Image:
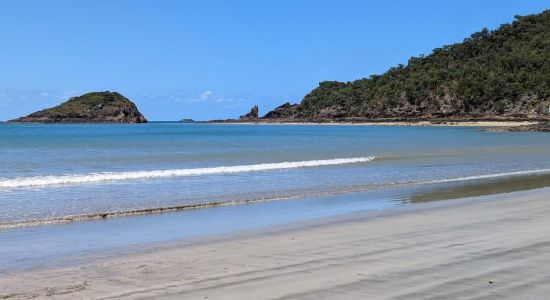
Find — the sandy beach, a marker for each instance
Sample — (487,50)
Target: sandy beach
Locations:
(490,247)
(275,150)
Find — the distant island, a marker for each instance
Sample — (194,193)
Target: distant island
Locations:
(187,121)
(502,74)
(96,107)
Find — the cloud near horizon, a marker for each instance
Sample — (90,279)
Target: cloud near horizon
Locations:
(156,106)
(206,95)
(15,103)
(198,105)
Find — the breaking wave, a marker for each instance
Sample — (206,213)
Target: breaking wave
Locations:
(344,190)
(38,181)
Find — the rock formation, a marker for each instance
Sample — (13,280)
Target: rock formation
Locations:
(252,115)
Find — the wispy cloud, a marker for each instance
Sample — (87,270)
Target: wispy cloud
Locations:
(206,95)
(18,102)
(170,105)
(204,104)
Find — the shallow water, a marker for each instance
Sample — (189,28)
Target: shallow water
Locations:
(80,242)
(48,172)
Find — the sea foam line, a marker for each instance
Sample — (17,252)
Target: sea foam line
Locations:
(491,176)
(37,181)
(182,207)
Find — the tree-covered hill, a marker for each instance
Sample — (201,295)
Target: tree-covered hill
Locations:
(491,74)
(95,107)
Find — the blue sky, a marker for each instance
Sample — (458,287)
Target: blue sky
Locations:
(215,59)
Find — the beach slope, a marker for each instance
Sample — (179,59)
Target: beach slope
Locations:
(491,247)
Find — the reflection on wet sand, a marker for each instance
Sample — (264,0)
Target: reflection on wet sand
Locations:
(486,187)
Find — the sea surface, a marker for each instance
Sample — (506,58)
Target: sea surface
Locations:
(55,180)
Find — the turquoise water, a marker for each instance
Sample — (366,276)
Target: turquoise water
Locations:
(54,171)
(51,172)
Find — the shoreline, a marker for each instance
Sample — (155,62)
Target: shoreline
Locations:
(389,123)
(470,247)
(106,215)
(434,123)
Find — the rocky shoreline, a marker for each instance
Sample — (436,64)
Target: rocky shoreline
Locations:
(537,127)
(492,124)
(499,123)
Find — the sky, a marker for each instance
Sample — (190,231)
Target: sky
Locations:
(209,59)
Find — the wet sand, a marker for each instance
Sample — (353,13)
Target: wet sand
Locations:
(489,247)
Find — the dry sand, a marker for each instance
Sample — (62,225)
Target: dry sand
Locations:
(491,247)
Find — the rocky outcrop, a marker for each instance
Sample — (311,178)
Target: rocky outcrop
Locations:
(252,115)
(284,111)
(96,107)
(539,127)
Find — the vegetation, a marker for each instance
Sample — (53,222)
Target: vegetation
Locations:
(108,107)
(504,72)
(109,102)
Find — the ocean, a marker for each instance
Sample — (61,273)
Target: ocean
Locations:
(67,185)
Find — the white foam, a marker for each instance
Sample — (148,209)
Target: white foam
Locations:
(491,176)
(37,181)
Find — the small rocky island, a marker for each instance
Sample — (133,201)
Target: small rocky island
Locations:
(187,120)
(95,107)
